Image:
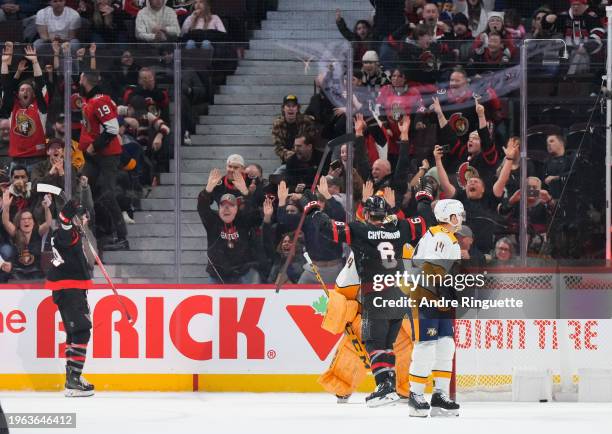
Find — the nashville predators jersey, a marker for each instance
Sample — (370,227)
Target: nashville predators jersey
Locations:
(437,247)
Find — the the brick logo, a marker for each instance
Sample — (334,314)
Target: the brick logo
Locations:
(309,320)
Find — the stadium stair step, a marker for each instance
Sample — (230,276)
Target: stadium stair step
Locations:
(284,57)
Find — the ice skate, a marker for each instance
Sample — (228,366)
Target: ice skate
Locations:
(77,385)
(419,407)
(443,406)
(383,395)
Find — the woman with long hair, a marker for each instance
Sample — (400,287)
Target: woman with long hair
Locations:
(201,26)
(27,236)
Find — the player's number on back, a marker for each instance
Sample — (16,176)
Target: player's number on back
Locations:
(440,246)
(387,255)
(104,110)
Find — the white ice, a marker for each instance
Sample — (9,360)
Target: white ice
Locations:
(289,413)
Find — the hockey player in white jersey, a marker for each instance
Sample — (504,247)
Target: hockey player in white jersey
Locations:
(432,327)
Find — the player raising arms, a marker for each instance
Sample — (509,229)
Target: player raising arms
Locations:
(432,329)
(69,278)
(377,245)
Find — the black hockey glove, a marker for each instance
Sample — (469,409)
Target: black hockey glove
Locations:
(309,202)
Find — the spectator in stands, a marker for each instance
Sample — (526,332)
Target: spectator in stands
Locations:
(302,165)
(51,171)
(540,206)
(57,22)
(513,25)
(7,251)
(503,254)
(482,154)
(361,38)
(539,29)
(20,190)
(230,258)
(508,173)
(255,183)
(388,17)
(399,99)
(28,110)
(325,254)
(157,100)
(431,18)
(59,133)
(102,146)
(470,255)
(107,21)
(288,126)
(380,174)
(335,186)
(480,205)
(277,253)
(458,39)
(476,11)
(5,134)
(582,30)
(495,24)
(123,74)
(27,237)
(157,22)
(461,113)
(492,58)
(202,26)
(558,166)
(16,10)
(423,57)
(373,75)
(234,180)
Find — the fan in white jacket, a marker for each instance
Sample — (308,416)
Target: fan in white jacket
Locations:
(157,22)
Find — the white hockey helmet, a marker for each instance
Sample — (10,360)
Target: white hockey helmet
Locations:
(445,208)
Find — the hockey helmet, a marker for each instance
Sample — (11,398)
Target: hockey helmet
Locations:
(376,206)
(445,208)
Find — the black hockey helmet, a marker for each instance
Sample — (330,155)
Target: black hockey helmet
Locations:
(376,206)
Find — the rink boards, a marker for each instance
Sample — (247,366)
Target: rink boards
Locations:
(201,337)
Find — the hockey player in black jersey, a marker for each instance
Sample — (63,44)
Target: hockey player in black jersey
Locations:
(69,278)
(377,245)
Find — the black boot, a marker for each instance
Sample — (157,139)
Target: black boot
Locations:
(76,384)
(442,405)
(419,407)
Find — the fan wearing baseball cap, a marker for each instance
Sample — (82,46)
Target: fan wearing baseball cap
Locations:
(234,180)
(229,253)
(287,127)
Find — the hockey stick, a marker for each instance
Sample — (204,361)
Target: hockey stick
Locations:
(57,191)
(282,275)
(348,328)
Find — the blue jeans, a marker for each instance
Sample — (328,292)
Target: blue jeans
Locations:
(205,44)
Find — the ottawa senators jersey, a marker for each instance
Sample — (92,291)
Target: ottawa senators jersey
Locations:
(378,250)
(100,116)
(69,266)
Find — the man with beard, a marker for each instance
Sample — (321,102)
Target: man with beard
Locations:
(480,205)
(20,190)
(287,127)
(302,165)
(27,106)
(101,144)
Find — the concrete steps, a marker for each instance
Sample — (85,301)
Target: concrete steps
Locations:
(294,45)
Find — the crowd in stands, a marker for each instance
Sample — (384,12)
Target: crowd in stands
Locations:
(424,133)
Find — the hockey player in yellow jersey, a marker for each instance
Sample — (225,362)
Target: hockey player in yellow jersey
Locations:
(432,327)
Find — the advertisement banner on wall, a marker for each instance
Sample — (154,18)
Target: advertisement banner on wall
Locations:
(205,330)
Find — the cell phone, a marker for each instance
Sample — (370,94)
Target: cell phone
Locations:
(533,192)
(276,178)
(445,148)
(336,164)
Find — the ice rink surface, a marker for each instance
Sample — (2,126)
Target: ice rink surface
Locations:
(286,413)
